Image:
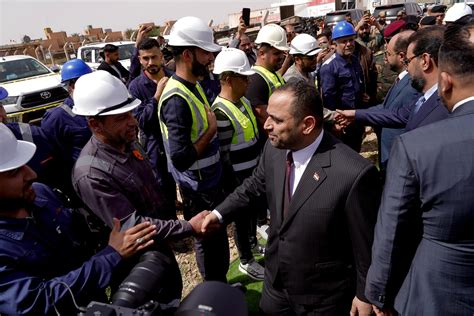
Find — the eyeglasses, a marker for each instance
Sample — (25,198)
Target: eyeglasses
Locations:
(407,61)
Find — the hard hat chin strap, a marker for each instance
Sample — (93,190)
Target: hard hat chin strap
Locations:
(115,107)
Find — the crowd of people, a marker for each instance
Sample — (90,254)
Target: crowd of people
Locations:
(266,135)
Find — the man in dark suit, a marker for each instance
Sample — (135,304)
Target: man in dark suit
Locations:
(323,207)
(421,62)
(423,253)
(401,93)
(111,63)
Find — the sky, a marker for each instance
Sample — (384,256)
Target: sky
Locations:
(30,17)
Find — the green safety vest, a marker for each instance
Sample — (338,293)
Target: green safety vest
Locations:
(198,112)
(245,128)
(273,79)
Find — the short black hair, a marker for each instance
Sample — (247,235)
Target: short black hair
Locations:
(306,100)
(110,48)
(148,43)
(177,51)
(428,40)
(456,54)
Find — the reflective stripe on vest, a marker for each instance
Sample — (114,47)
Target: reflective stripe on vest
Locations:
(26,133)
(245,133)
(198,112)
(67,109)
(273,79)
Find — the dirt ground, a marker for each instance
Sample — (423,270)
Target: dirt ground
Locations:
(187,261)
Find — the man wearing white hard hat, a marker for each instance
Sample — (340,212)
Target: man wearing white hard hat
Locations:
(188,126)
(114,177)
(457,12)
(43,261)
(304,49)
(272,45)
(238,134)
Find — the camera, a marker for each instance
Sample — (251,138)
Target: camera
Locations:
(101,309)
(142,281)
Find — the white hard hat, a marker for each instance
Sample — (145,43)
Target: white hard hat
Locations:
(273,35)
(232,59)
(191,31)
(304,44)
(457,11)
(100,93)
(14,153)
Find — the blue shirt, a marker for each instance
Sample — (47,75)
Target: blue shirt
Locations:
(68,133)
(38,256)
(43,158)
(341,83)
(143,88)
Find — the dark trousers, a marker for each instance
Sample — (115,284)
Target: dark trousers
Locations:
(278,302)
(245,234)
(212,252)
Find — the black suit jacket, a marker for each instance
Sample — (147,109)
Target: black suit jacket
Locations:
(123,72)
(322,249)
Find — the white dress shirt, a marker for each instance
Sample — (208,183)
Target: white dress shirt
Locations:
(461,103)
(301,159)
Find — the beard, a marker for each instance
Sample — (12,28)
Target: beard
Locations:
(153,69)
(418,83)
(198,69)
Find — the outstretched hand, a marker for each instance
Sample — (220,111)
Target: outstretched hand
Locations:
(210,224)
(132,240)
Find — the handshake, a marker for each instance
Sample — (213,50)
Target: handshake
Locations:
(343,118)
(204,223)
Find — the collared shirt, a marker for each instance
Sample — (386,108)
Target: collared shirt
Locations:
(341,83)
(116,184)
(402,75)
(144,89)
(301,159)
(461,103)
(430,91)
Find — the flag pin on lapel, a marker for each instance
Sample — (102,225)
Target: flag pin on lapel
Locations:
(316,176)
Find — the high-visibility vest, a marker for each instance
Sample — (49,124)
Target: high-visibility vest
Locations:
(245,131)
(273,79)
(198,128)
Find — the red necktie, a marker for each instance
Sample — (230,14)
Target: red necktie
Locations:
(287,197)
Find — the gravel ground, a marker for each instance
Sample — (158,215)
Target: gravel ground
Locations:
(187,261)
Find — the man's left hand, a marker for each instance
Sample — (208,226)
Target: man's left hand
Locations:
(360,308)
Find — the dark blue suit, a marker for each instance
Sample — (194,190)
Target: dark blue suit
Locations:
(423,251)
(431,111)
(400,94)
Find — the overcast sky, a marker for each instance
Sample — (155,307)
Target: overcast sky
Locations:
(30,17)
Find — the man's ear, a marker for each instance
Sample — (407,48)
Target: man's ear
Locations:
(445,83)
(94,124)
(309,124)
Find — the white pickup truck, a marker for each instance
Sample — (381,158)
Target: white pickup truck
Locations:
(90,53)
(32,88)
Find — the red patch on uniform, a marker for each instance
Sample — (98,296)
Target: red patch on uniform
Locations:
(137,154)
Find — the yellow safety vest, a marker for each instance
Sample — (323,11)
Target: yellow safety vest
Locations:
(273,79)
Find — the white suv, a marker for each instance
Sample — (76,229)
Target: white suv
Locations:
(32,88)
(90,53)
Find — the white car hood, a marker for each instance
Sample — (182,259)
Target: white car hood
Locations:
(32,84)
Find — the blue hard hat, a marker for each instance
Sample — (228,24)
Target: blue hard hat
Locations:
(3,93)
(73,69)
(343,29)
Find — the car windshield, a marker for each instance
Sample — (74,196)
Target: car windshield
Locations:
(391,11)
(20,69)
(126,51)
